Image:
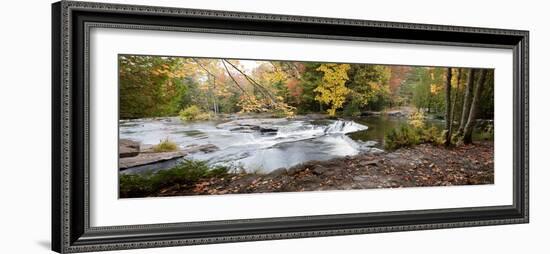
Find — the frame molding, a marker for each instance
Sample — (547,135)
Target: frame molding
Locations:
(71,22)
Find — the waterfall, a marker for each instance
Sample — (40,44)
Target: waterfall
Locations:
(341,126)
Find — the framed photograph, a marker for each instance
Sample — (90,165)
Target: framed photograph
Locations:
(181,126)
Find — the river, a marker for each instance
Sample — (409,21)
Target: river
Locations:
(263,145)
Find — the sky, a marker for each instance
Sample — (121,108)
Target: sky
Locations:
(250,65)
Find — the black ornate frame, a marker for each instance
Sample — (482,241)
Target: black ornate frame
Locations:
(71,22)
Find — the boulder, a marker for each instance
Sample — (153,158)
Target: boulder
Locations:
(207,148)
(268,130)
(369,163)
(128,148)
(277,172)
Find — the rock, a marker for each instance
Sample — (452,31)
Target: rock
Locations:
(207,148)
(369,163)
(371,113)
(396,113)
(400,162)
(320,170)
(268,130)
(277,172)
(127,148)
(360,178)
(253,123)
(242,129)
(295,169)
(148,158)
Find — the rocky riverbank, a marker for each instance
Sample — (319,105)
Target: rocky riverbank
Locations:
(423,165)
(132,154)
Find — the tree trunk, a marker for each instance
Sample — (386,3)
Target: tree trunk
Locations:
(453,107)
(467,100)
(469,128)
(448,115)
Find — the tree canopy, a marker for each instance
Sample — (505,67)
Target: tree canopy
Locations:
(152,86)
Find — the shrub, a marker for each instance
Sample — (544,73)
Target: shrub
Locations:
(417,119)
(352,109)
(165,146)
(187,172)
(431,135)
(407,136)
(194,113)
(403,136)
(486,133)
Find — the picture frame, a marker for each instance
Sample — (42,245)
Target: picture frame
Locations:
(71,197)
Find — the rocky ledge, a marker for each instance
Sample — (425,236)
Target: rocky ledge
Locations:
(423,165)
(132,154)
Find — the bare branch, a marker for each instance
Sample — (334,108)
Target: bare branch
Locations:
(235,81)
(215,80)
(263,90)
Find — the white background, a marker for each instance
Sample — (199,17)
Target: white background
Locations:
(25,126)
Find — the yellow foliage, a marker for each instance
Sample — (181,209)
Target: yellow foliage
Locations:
(434,88)
(417,119)
(333,88)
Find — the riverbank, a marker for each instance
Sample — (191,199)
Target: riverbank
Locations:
(422,165)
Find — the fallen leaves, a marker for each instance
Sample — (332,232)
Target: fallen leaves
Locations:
(426,165)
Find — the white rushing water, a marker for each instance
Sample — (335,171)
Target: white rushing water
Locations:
(252,144)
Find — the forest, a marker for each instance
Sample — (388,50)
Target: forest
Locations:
(427,107)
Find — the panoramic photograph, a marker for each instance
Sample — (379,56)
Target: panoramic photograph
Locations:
(211,126)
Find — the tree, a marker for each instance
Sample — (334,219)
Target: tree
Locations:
(468,129)
(467,100)
(453,107)
(333,90)
(425,84)
(151,86)
(448,115)
(369,88)
(308,82)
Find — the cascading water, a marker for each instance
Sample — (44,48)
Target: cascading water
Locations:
(343,127)
(253,144)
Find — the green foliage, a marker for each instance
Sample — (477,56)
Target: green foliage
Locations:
(426,87)
(408,136)
(352,109)
(194,113)
(487,101)
(150,86)
(486,132)
(165,146)
(417,119)
(432,135)
(153,86)
(186,173)
(369,85)
(403,136)
(309,80)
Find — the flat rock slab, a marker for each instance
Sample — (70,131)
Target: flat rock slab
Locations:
(263,125)
(148,158)
(128,148)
